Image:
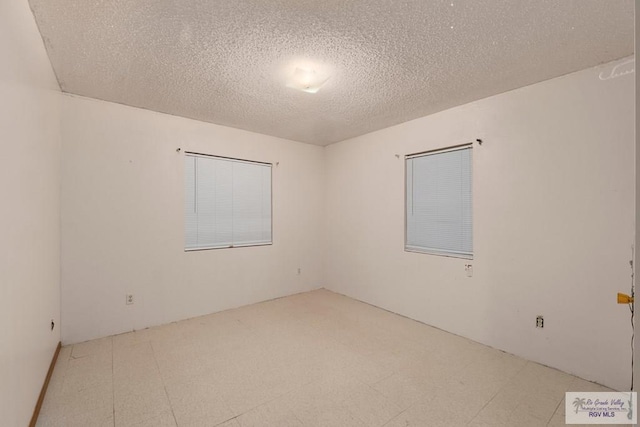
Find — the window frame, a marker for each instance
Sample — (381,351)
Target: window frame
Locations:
(233,159)
(443,253)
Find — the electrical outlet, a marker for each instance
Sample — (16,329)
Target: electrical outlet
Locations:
(539,322)
(129,299)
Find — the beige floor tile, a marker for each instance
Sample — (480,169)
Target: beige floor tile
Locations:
(404,390)
(507,409)
(540,406)
(273,414)
(323,401)
(203,422)
(252,381)
(459,403)
(181,363)
(74,406)
(197,401)
(91,371)
(99,346)
(248,394)
(539,378)
(557,420)
(432,368)
(371,407)
(164,335)
(510,420)
(133,355)
(97,419)
(496,368)
(65,354)
(313,359)
(56,382)
(139,402)
(333,416)
(578,384)
(493,416)
(421,414)
(124,340)
(164,419)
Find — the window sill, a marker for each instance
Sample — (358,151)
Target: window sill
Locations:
(438,252)
(247,245)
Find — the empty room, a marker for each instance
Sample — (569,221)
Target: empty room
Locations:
(305,213)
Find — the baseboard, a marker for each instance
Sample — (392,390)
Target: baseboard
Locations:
(36,411)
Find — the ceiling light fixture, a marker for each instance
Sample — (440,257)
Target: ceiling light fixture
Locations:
(306,80)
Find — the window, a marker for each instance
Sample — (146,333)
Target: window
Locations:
(439,202)
(227,202)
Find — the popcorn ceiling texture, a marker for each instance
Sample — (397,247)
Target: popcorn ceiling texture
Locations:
(389,61)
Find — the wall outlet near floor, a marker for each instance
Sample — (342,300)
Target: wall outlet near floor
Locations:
(468,268)
(129,299)
(539,322)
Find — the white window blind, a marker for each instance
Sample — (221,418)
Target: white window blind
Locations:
(227,202)
(439,203)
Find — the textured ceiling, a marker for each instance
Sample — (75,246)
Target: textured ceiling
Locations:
(388,61)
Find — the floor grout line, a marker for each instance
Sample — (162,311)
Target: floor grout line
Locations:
(556,410)
(113,386)
(164,386)
(498,392)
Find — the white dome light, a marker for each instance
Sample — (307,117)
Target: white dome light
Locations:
(306,80)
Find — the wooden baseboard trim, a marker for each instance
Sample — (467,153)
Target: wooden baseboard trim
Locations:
(36,411)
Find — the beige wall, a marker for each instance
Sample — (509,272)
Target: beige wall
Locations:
(29,213)
(123,225)
(553,223)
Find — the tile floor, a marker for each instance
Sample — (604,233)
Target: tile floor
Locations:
(313,359)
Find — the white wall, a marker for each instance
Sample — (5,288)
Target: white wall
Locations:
(636,361)
(123,225)
(29,213)
(553,223)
